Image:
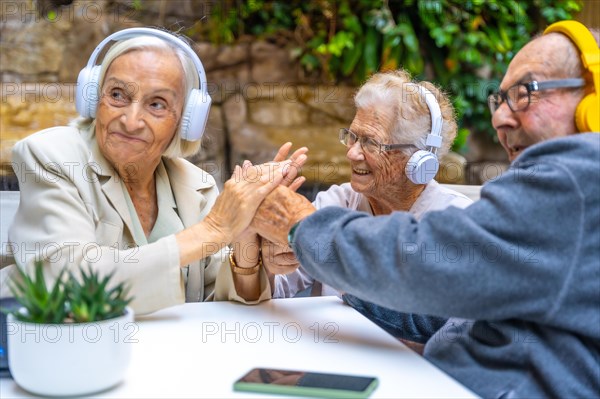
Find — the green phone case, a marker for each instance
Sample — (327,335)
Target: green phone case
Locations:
(294,390)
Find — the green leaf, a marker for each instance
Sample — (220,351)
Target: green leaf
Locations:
(310,62)
(461,139)
(504,36)
(339,42)
(392,53)
(371,51)
(41,305)
(409,38)
(352,24)
(68,299)
(414,63)
(351,57)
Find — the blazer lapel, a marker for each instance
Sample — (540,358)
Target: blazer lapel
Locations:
(114,193)
(187,189)
(111,184)
(187,183)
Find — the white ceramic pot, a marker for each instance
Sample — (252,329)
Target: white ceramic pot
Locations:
(70,359)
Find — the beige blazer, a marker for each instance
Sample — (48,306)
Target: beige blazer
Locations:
(73,212)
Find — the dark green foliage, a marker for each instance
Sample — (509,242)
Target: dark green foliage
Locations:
(70,300)
(464,46)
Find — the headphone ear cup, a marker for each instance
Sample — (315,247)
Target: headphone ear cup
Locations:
(587,116)
(422,167)
(86,95)
(195,115)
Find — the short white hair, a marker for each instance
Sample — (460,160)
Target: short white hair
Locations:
(178,146)
(412,117)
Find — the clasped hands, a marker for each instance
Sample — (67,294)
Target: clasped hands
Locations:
(261,200)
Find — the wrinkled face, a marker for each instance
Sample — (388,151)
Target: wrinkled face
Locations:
(140,106)
(550,114)
(374,173)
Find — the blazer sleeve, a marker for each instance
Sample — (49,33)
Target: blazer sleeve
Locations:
(53,222)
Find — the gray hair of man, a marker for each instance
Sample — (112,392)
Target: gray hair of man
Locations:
(395,89)
(178,146)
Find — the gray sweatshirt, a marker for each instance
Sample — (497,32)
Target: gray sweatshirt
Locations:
(518,273)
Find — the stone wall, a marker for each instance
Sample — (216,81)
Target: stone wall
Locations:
(261,97)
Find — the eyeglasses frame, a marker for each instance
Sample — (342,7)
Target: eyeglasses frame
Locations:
(532,86)
(382,147)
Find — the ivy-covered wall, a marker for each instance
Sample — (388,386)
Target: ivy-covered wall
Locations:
(278,70)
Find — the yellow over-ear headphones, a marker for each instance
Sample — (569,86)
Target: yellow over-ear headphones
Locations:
(587,115)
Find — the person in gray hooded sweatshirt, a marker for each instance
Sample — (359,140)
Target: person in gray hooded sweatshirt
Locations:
(518,272)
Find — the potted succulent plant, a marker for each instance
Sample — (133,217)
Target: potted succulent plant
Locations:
(71,339)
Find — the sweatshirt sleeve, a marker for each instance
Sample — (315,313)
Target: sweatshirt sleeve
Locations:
(500,258)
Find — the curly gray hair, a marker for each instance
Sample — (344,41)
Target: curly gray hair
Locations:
(413,120)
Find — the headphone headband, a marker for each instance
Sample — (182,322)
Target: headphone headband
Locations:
(434,138)
(587,116)
(423,164)
(197,103)
(583,39)
(136,32)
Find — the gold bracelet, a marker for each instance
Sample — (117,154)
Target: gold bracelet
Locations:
(244,271)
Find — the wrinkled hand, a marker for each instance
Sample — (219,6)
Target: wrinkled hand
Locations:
(242,194)
(278,259)
(278,212)
(291,178)
(298,158)
(246,247)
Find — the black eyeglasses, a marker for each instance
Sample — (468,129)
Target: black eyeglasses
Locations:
(518,97)
(349,138)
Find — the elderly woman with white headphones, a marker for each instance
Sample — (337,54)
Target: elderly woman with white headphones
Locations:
(112,191)
(399,131)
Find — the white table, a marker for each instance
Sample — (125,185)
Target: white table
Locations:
(199,350)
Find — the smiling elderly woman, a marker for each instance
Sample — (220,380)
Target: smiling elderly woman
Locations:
(113,191)
(392,123)
(391,132)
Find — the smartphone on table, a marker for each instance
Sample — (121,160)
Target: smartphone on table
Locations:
(304,383)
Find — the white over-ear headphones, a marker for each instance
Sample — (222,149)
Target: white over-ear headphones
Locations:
(195,114)
(423,164)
